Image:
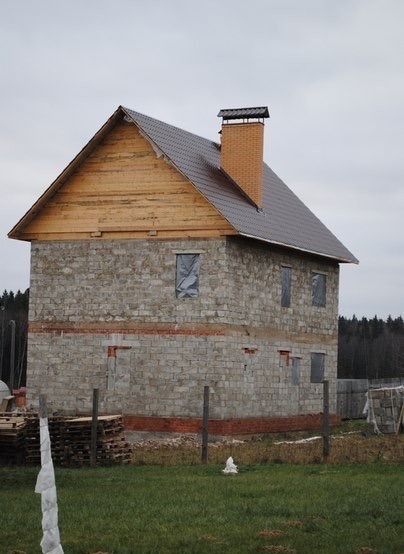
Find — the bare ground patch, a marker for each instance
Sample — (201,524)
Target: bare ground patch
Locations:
(349,448)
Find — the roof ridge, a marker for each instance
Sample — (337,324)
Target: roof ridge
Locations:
(160,121)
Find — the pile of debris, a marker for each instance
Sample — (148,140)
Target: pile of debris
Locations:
(148,442)
(177,441)
(70,440)
(385,409)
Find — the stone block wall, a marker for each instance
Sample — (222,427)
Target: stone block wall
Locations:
(164,376)
(105,314)
(254,297)
(124,281)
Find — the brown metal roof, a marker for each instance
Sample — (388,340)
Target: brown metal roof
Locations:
(283,219)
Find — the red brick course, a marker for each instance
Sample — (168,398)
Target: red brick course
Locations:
(105,328)
(227,426)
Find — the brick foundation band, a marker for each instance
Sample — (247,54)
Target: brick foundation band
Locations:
(243,426)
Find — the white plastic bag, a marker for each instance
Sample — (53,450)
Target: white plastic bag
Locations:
(231,468)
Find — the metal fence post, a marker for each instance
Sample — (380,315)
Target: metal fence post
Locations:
(326,421)
(43,408)
(205,423)
(94,429)
(3,317)
(12,355)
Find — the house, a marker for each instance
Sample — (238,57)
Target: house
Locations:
(161,262)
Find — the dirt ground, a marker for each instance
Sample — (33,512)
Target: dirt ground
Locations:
(352,442)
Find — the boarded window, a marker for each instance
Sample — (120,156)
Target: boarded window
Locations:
(317,367)
(111,372)
(295,371)
(187,276)
(118,367)
(284,357)
(286,276)
(318,292)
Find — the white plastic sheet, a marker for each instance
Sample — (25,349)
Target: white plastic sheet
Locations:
(368,410)
(187,279)
(231,468)
(286,278)
(46,487)
(318,293)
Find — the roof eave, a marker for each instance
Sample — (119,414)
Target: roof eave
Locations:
(338,259)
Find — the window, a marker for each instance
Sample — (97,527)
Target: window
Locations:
(118,367)
(295,371)
(286,277)
(284,357)
(317,367)
(318,290)
(187,276)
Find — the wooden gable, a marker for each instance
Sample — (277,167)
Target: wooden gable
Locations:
(124,190)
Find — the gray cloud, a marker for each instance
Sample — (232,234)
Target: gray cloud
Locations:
(331,73)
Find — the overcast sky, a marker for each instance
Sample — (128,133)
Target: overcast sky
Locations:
(332,74)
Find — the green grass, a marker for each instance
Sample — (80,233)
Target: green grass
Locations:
(320,509)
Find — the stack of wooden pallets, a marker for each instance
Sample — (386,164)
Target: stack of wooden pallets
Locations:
(71,440)
(32,451)
(31,446)
(12,434)
(112,448)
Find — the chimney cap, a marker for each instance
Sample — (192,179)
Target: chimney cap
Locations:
(244,113)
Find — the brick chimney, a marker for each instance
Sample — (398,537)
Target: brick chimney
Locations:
(242,149)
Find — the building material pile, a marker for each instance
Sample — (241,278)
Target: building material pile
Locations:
(12,433)
(32,445)
(70,440)
(112,448)
(384,409)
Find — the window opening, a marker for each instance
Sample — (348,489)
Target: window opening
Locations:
(187,275)
(317,367)
(286,278)
(318,291)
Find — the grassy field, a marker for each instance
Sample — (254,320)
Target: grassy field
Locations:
(195,509)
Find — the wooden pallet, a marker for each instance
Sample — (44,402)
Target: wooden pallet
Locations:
(12,433)
(71,438)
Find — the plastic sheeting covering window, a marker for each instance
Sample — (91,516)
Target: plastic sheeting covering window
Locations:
(318,292)
(286,276)
(187,277)
(295,371)
(317,367)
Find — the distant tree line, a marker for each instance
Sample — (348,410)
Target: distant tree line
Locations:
(367,348)
(370,348)
(13,306)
